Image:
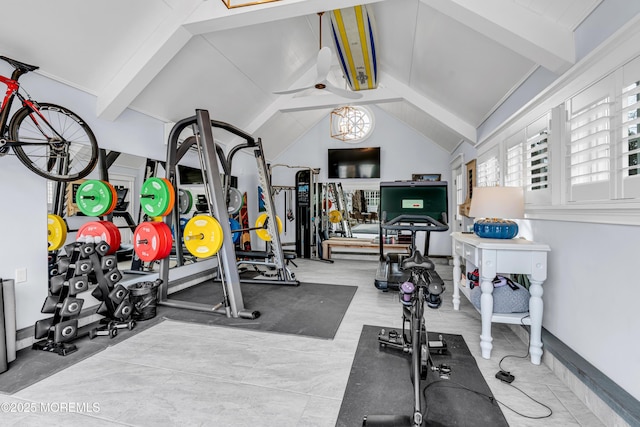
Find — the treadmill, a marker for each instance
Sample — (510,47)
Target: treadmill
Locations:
(407,198)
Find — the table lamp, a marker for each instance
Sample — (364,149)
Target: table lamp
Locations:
(494,207)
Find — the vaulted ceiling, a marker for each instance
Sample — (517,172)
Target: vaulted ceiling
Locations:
(445,65)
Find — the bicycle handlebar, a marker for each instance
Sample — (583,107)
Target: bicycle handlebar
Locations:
(417,223)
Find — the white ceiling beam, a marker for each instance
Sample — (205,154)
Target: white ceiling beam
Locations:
(447,118)
(214,16)
(520,29)
(138,71)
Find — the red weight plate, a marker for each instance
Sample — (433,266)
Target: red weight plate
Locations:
(162,240)
(166,240)
(116,237)
(169,245)
(146,242)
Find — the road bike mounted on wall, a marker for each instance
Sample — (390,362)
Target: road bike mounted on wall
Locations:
(48,139)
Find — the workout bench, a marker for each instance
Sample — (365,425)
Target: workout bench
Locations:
(355,243)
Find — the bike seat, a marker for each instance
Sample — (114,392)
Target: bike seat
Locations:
(417,261)
(19,65)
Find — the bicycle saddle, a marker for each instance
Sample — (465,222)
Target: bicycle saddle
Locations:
(416,260)
(19,65)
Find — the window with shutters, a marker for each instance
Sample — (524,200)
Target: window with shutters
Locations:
(536,152)
(588,151)
(488,171)
(514,161)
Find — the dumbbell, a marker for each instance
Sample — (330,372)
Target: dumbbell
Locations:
(125,325)
(123,311)
(81,266)
(118,294)
(108,262)
(62,332)
(75,284)
(110,330)
(70,306)
(113,276)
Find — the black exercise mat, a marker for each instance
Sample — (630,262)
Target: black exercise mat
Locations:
(311,309)
(32,366)
(380,383)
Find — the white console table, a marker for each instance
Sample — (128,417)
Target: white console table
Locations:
(502,256)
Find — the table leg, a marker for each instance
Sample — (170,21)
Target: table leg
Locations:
(456,282)
(486,312)
(535,313)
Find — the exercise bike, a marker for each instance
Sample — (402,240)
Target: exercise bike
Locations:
(424,287)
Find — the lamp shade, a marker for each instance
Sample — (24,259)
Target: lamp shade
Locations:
(496,205)
(497,202)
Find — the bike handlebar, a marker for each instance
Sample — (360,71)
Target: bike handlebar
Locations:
(416,223)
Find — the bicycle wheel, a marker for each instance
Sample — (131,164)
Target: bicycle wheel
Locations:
(55,142)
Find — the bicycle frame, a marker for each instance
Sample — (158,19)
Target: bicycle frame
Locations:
(5,110)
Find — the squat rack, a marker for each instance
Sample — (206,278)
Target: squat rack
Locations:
(207,150)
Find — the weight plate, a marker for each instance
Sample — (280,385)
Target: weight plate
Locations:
(56,232)
(114,198)
(203,236)
(234,201)
(150,241)
(97,231)
(116,237)
(166,239)
(335,217)
(172,197)
(94,197)
(263,233)
(235,225)
(185,201)
(155,197)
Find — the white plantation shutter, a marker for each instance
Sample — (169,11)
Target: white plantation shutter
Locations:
(589,146)
(488,172)
(629,121)
(514,173)
(537,160)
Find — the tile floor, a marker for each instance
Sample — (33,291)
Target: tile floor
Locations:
(177,374)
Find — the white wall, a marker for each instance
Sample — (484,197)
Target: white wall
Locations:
(403,152)
(591,294)
(24,194)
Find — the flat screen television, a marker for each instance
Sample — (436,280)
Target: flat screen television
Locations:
(189,175)
(344,163)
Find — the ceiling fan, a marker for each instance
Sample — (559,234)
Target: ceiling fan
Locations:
(323,64)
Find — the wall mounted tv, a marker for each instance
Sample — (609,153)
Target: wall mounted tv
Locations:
(346,163)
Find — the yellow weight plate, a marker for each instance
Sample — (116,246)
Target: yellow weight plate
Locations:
(335,217)
(56,232)
(203,236)
(263,233)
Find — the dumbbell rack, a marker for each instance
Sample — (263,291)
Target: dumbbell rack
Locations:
(72,278)
(74,275)
(116,307)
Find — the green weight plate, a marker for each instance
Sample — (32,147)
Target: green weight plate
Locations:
(94,197)
(185,201)
(234,201)
(155,197)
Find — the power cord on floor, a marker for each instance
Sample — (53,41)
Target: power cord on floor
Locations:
(507,378)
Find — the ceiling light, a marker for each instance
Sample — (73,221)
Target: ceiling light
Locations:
(239,3)
(351,124)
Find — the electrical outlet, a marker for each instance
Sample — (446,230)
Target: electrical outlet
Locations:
(21,275)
